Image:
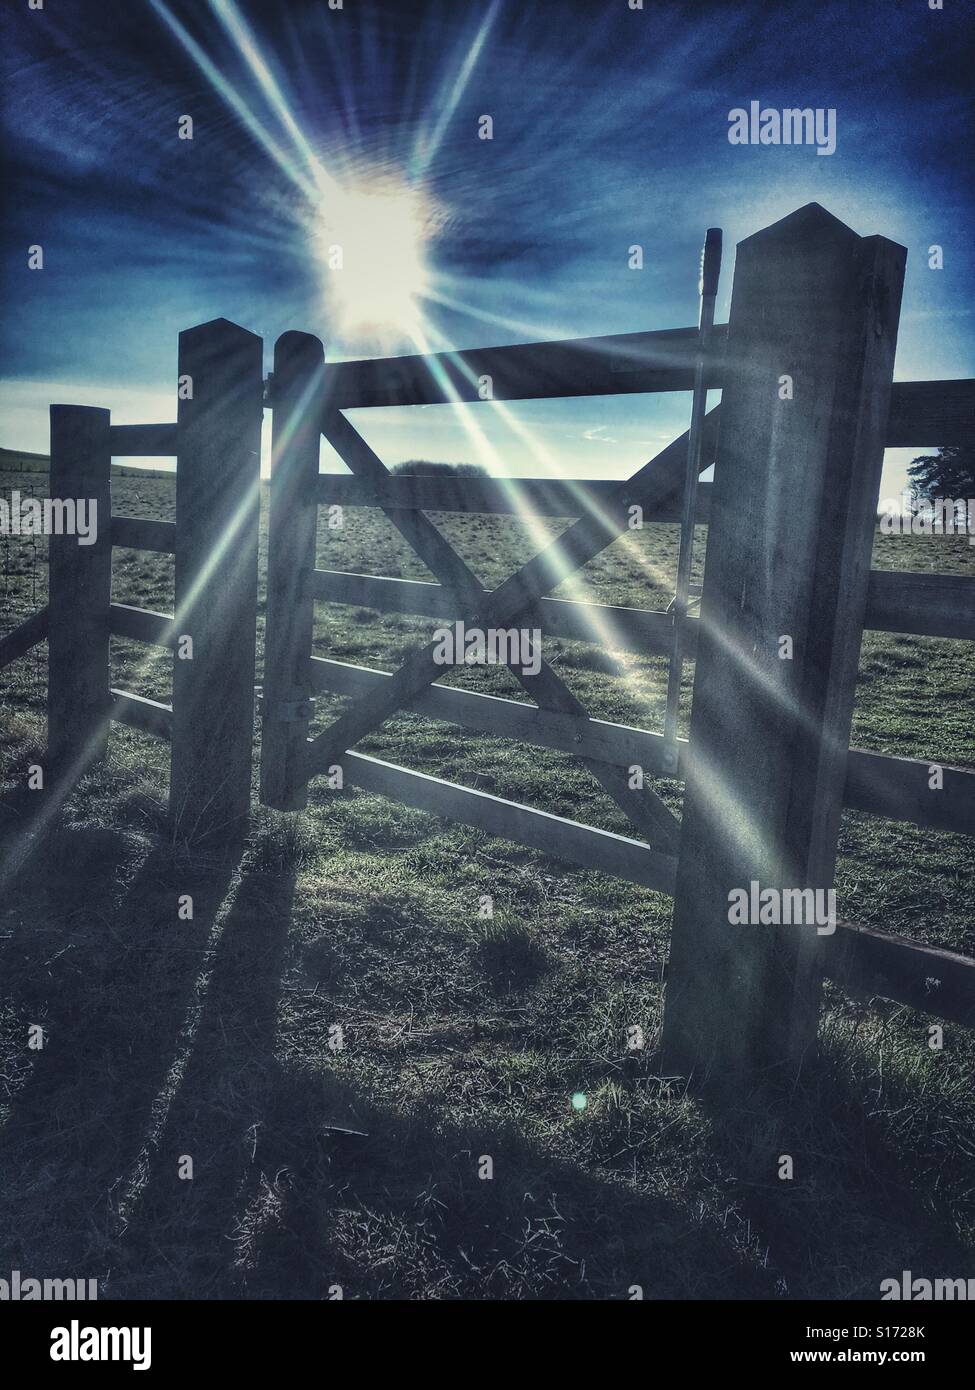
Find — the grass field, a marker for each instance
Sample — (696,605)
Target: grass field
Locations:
(316,1165)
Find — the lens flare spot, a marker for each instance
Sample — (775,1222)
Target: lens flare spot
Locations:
(372,244)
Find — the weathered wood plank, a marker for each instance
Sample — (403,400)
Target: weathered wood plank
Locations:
(139,712)
(900,788)
(933,981)
(217,511)
(629,629)
(921,605)
(897,788)
(143,440)
(928,605)
(141,533)
(792,526)
(930,414)
(524,825)
(27,635)
(579,735)
(515,496)
(79,594)
(142,625)
(618,364)
(293,518)
(921,413)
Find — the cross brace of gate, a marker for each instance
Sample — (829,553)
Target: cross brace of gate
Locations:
(299,389)
(644,808)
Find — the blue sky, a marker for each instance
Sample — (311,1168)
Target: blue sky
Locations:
(610,129)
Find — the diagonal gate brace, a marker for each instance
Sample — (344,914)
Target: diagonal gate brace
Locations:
(645,809)
(659,479)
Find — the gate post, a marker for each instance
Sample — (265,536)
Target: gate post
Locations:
(218,478)
(79,594)
(811,339)
(292,527)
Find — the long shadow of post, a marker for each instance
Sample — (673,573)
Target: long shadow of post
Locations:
(203,1162)
(110,973)
(855,1205)
(161,1045)
(302,1181)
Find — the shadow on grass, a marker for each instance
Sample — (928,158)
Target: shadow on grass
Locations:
(179,1229)
(95,953)
(879,1182)
(160,1047)
(163,1044)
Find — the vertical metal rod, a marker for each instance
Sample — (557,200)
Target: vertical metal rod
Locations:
(710,270)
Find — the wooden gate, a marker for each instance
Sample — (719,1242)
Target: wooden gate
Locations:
(805,367)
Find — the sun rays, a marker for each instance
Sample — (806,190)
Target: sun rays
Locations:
(371,219)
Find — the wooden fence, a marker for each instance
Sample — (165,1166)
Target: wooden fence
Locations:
(212,633)
(767,768)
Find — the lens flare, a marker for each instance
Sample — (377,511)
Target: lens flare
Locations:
(372,240)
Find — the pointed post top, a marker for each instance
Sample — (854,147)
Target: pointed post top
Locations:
(810,221)
(218,331)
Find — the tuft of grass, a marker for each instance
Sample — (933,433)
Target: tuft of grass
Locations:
(281,842)
(510,954)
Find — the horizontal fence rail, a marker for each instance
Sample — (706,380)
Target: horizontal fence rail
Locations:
(927,978)
(931,413)
(27,635)
(139,712)
(534,496)
(919,605)
(613,365)
(139,533)
(924,605)
(922,413)
(496,715)
(142,625)
(897,788)
(147,440)
(539,830)
(627,628)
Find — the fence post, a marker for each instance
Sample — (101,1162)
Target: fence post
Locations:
(217,520)
(811,340)
(292,526)
(80,593)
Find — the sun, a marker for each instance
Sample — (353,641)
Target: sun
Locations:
(372,240)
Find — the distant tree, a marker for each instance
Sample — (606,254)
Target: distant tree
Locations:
(948,473)
(425,468)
